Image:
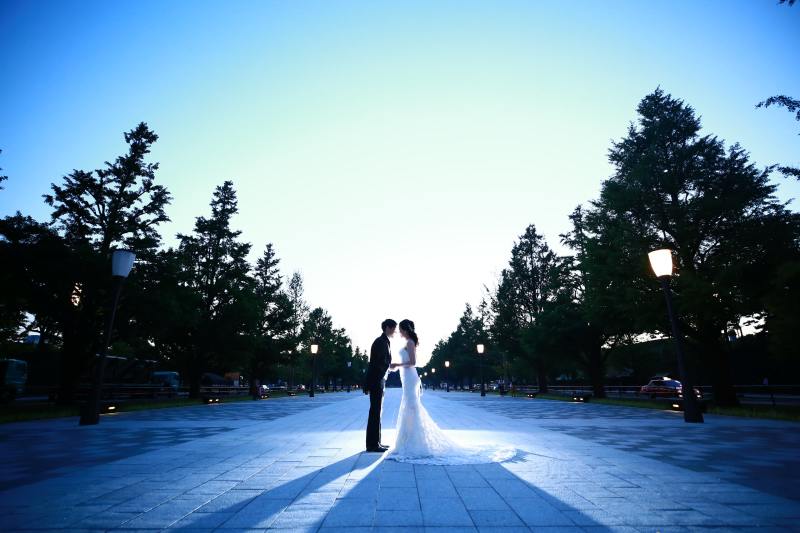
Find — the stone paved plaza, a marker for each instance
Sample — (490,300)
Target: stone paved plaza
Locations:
(297,464)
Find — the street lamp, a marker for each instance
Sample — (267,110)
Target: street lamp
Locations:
(121,264)
(349,365)
(481,348)
(661,263)
(314,350)
(447,375)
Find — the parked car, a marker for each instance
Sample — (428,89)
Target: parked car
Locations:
(13,375)
(665,387)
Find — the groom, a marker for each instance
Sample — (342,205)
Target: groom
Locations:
(380,357)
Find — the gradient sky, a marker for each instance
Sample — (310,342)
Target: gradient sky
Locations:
(392,151)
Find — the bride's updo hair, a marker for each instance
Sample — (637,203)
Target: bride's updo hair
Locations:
(407,327)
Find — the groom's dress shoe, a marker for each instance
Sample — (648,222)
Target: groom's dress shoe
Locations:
(379,449)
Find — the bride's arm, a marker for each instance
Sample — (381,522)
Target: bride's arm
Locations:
(412,355)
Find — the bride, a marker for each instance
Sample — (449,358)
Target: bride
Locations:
(419,438)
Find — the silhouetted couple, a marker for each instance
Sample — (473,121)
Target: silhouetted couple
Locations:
(419,439)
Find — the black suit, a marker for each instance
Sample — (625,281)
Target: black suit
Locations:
(380,357)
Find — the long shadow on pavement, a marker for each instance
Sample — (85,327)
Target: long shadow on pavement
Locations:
(363,491)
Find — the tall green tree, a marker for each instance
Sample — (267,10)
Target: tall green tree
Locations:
(163,311)
(94,211)
(275,333)
(460,350)
(592,314)
(335,349)
(533,277)
(36,282)
(120,204)
(300,310)
(675,188)
(214,261)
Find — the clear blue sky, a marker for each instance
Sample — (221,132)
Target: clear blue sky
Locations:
(392,151)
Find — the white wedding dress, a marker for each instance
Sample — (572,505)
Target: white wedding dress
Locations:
(419,438)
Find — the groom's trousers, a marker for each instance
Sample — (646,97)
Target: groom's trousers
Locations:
(374,420)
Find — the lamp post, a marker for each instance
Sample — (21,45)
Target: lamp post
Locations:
(661,263)
(447,375)
(314,350)
(481,348)
(349,365)
(121,264)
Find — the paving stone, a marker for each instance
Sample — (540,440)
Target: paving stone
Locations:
(495,519)
(577,469)
(445,512)
(482,499)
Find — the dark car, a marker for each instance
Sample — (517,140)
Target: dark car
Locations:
(666,388)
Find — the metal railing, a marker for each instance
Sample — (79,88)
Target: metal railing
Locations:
(113,392)
(775,395)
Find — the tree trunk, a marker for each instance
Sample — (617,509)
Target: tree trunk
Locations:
(724,393)
(541,376)
(77,355)
(254,384)
(597,371)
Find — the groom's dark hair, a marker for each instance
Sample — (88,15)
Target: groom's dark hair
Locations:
(388,323)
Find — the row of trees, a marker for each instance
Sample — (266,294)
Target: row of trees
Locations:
(736,248)
(197,307)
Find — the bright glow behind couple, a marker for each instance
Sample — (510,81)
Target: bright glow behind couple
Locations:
(419,438)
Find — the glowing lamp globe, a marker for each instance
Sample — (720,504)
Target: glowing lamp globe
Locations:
(661,262)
